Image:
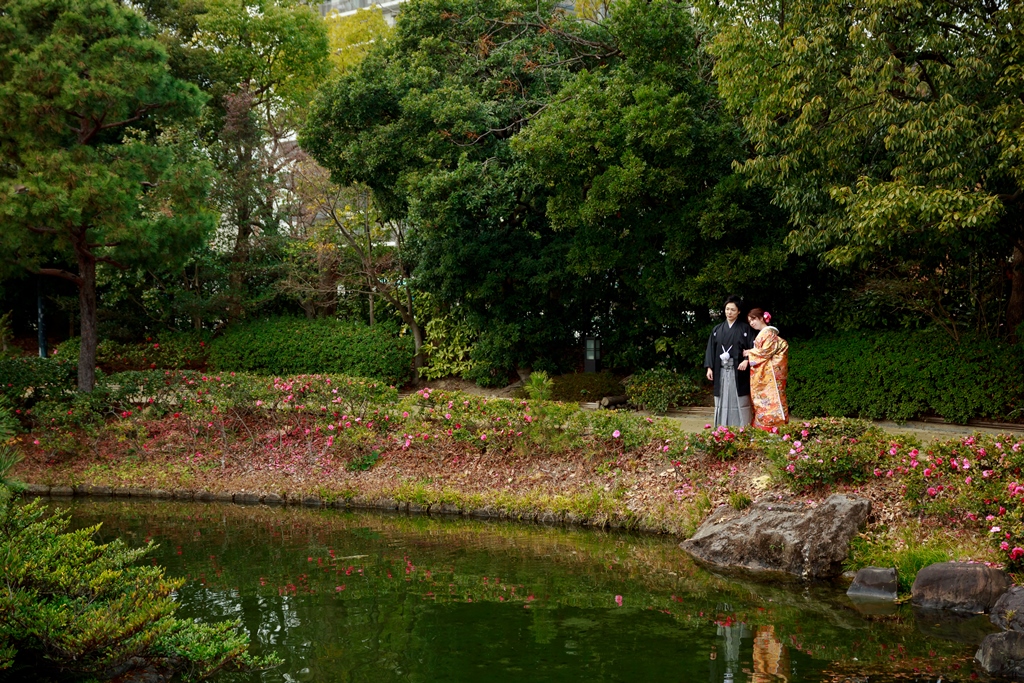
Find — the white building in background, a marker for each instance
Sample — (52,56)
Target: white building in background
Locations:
(346,8)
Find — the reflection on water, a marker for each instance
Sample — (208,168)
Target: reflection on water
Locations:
(346,596)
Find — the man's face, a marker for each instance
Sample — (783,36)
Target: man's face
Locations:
(732,311)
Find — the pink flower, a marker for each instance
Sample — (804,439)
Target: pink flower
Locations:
(618,598)
(932,492)
(927,472)
(878,472)
(967,480)
(994,529)
(405,414)
(1004,546)
(707,426)
(790,468)
(1016,553)
(616,434)
(483,437)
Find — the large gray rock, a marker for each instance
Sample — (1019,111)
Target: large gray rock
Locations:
(1008,612)
(960,586)
(811,542)
(1002,653)
(874,583)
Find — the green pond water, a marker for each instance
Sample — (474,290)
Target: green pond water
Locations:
(361,596)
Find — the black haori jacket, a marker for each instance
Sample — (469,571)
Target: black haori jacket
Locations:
(734,340)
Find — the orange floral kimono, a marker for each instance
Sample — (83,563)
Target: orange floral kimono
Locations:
(769,368)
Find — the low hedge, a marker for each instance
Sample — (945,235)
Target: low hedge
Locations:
(281,346)
(903,375)
(167,351)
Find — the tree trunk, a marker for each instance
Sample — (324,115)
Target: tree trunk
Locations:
(1015,309)
(409,318)
(87,313)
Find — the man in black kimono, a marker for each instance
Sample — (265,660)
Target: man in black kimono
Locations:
(728,369)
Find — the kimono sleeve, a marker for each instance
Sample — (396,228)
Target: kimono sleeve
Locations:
(709,354)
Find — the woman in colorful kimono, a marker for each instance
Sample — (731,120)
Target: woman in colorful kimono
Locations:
(769,368)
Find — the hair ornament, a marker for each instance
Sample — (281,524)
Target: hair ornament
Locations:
(767,317)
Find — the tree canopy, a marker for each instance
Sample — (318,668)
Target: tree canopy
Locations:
(890,131)
(90,173)
(563,176)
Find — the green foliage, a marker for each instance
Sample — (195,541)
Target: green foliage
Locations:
(890,132)
(171,351)
(363,462)
(27,381)
(9,456)
(539,386)
(89,176)
(906,550)
(659,389)
(449,348)
(87,609)
(586,386)
(595,191)
(902,375)
(293,345)
(352,37)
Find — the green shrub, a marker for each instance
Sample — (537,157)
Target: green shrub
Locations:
(27,381)
(539,386)
(363,462)
(659,389)
(448,349)
(586,387)
(171,350)
(902,375)
(284,346)
(86,609)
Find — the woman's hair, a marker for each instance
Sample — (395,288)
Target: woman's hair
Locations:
(756,313)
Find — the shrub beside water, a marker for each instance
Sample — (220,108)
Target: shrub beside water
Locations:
(283,346)
(903,375)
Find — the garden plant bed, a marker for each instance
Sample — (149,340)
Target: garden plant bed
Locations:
(319,440)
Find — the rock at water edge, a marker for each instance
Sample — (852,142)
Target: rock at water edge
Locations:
(959,586)
(879,583)
(1002,653)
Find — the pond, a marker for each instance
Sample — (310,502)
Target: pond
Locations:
(376,597)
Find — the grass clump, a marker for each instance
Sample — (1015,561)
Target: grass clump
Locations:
(909,549)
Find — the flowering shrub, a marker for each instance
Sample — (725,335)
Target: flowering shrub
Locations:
(659,389)
(830,451)
(979,480)
(723,443)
